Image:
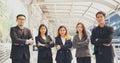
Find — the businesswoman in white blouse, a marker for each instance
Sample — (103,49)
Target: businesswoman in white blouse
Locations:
(63,45)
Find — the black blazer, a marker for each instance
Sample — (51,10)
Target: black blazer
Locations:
(104,36)
(64,52)
(44,51)
(19,48)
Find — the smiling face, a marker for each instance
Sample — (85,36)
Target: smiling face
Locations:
(20,20)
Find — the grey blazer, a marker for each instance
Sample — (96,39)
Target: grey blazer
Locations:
(82,49)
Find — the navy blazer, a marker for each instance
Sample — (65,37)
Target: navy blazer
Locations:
(44,51)
(64,52)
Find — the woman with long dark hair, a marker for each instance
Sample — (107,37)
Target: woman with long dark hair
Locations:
(81,43)
(44,44)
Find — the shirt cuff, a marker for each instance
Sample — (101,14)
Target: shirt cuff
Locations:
(27,42)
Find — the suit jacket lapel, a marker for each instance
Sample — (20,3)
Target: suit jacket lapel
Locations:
(82,39)
(78,38)
(60,41)
(19,31)
(24,32)
(41,40)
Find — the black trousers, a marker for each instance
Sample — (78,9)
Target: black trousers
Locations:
(63,61)
(22,60)
(103,59)
(45,60)
(83,59)
(106,56)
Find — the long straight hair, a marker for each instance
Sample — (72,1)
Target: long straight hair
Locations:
(67,37)
(83,31)
(42,25)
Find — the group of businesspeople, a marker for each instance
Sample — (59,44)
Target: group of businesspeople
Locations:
(101,39)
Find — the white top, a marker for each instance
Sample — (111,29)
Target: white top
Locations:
(21,27)
(80,37)
(44,37)
(63,40)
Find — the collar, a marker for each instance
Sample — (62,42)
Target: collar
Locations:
(21,27)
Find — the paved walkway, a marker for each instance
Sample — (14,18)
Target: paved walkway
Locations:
(34,57)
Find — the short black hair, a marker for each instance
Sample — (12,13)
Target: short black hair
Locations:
(20,15)
(101,12)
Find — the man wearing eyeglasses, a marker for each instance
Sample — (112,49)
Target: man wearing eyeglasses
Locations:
(21,39)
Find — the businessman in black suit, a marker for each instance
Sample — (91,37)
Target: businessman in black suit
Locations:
(101,38)
(21,39)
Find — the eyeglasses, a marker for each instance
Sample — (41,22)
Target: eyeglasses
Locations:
(21,19)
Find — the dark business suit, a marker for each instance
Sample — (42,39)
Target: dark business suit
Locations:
(64,54)
(104,54)
(44,52)
(20,50)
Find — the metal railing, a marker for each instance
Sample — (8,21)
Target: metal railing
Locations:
(116,46)
(4,55)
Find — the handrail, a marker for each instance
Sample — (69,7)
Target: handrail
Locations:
(4,55)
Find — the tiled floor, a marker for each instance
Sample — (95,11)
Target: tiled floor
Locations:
(34,57)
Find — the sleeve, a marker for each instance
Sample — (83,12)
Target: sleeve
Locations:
(30,34)
(56,41)
(77,44)
(74,42)
(93,38)
(50,45)
(15,39)
(84,43)
(29,37)
(109,37)
(39,47)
